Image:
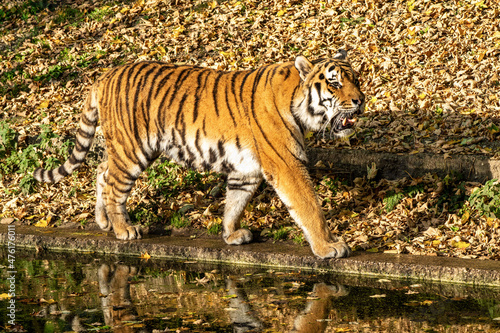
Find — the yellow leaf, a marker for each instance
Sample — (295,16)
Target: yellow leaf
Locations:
(411,41)
(5,296)
(465,217)
(229,54)
(281,12)
(179,30)
(213,4)
(436,242)
(162,50)
(42,223)
(248,59)
(481,55)
(145,255)
(33,216)
(460,245)
(427,302)
(410,4)
(44,104)
(422,95)
(453,142)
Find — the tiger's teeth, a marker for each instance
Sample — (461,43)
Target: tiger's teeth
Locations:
(344,121)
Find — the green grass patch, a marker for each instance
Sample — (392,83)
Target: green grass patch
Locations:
(23,10)
(281,233)
(24,160)
(68,14)
(214,229)
(179,221)
(486,200)
(99,14)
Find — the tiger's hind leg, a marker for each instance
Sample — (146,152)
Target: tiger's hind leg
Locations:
(240,189)
(118,184)
(101,217)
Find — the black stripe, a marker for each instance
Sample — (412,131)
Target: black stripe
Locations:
(227,167)
(173,137)
(197,142)
(72,160)
(317,86)
(180,107)
(212,156)
(290,130)
(85,135)
(182,130)
(229,109)
(191,157)
(145,114)
(125,173)
(88,122)
(220,147)
(50,174)
(62,171)
(177,85)
(241,87)
(160,85)
(160,70)
(139,67)
(122,179)
(203,127)
(199,90)
(215,91)
(238,145)
(233,91)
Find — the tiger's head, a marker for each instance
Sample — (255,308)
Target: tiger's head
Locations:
(330,95)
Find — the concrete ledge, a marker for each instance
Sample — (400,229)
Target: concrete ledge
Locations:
(394,166)
(284,255)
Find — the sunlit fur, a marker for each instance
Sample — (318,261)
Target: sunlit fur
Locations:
(248,124)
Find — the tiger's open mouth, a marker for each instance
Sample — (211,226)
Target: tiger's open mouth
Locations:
(342,125)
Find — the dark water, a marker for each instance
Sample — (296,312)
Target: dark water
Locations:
(86,293)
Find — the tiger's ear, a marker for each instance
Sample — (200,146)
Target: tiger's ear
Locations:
(341,54)
(304,66)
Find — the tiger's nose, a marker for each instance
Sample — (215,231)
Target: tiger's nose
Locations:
(357,102)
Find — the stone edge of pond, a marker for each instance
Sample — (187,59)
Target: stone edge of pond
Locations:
(281,255)
(353,162)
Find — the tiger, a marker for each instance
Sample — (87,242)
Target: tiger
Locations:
(247,124)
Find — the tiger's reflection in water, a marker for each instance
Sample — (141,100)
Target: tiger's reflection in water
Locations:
(119,309)
(117,305)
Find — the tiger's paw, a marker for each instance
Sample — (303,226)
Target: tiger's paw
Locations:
(128,233)
(102,221)
(240,236)
(332,250)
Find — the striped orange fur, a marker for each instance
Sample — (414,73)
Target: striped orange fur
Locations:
(249,124)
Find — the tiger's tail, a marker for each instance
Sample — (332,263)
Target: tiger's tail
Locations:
(84,138)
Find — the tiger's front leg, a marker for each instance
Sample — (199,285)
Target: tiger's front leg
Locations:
(240,189)
(291,181)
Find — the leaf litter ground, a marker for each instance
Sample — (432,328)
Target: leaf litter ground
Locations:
(430,72)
